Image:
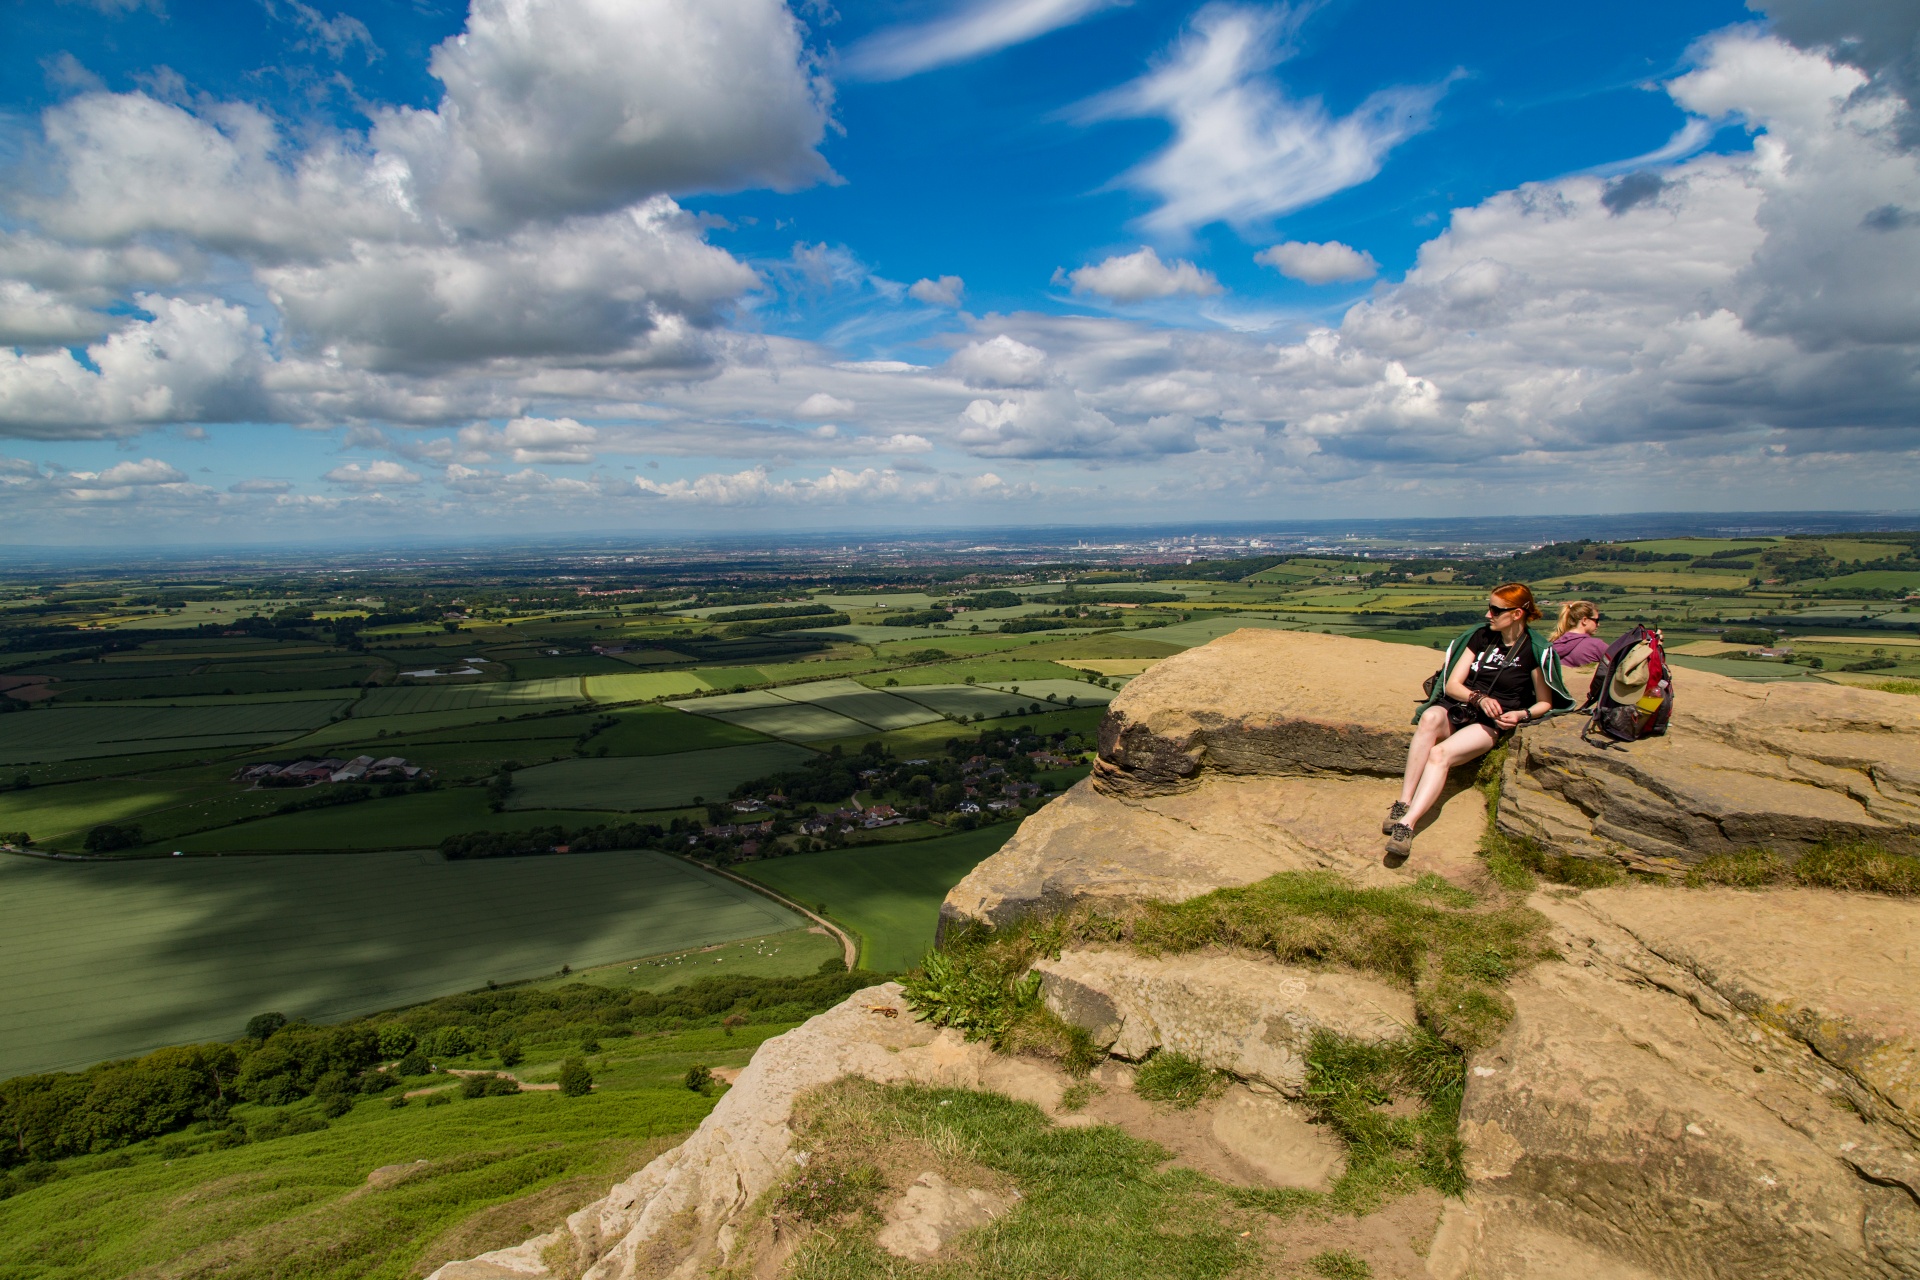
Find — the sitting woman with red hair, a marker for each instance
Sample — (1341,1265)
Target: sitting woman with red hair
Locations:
(1495,678)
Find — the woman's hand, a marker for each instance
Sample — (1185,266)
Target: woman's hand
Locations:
(1512,719)
(1490,707)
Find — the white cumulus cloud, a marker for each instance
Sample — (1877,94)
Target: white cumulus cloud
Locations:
(944,292)
(372,476)
(1312,263)
(822,405)
(1136,277)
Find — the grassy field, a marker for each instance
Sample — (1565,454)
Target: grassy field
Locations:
(108,960)
(412,821)
(889,895)
(857,702)
(794,721)
(406,699)
(792,954)
(658,731)
(634,783)
(637,686)
(496,1171)
(69,733)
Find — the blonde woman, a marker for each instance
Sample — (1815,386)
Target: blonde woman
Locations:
(1576,637)
(1497,678)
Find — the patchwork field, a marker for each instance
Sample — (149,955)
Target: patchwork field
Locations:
(407,699)
(794,721)
(633,783)
(857,702)
(110,959)
(63,733)
(889,895)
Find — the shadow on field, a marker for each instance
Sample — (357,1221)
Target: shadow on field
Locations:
(111,959)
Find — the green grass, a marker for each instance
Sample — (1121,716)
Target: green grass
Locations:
(1856,866)
(727,677)
(637,686)
(590,665)
(794,721)
(300,1206)
(1095,1203)
(792,954)
(1212,627)
(858,702)
(1894,579)
(659,731)
(629,783)
(889,895)
(108,960)
(407,699)
(955,700)
(75,732)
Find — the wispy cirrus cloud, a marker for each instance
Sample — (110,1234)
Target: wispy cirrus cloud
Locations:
(1242,150)
(971,31)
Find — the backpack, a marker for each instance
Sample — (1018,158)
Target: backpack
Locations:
(1632,692)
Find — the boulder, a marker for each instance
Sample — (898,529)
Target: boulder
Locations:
(1250,1016)
(1255,701)
(1743,765)
(1634,1111)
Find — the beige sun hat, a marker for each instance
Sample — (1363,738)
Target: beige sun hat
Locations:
(1630,674)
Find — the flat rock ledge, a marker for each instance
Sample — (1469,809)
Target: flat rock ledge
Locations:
(1664,1104)
(1249,1016)
(1781,767)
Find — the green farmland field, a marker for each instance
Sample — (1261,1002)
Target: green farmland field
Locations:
(406,699)
(659,731)
(635,686)
(795,721)
(967,699)
(399,822)
(110,959)
(858,702)
(632,783)
(73,733)
(888,894)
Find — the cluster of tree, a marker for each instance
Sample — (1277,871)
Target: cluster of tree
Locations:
(48,1116)
(1228,570)
(917,618)
(595,839)
(1446,618)
(826,618)
(109,837)
(771,611)
(991,600)
(1017,626)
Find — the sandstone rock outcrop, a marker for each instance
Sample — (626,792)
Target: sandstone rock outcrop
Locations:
(934,1211)
(1775,766)
(1665,1099)
(678,1216)
(1243,1014)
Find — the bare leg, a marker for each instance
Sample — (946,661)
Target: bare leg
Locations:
(1465,744)
(1434,728)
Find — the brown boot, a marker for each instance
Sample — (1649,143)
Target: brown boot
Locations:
(1400,841)
(1394,815)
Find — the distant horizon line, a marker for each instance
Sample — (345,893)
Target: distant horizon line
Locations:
(1620,526)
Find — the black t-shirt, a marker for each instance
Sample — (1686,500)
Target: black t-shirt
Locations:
(1505,673)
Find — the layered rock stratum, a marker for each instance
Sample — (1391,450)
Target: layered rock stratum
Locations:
(1710,1083)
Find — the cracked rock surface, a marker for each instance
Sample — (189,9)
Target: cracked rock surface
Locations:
(1743,765)
(1666,1099)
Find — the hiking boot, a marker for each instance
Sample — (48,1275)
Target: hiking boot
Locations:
(1394,815)
(1400,840)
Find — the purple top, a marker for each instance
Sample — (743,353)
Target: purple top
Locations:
(1578,649)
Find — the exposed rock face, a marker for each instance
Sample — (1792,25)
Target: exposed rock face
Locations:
(1665,1099)
(1253,1017)
(1263,702)
(1773,766)
(934,1211)
(677,1216)
(1271,1136)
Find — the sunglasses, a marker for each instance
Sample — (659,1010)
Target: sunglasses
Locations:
(1494,611)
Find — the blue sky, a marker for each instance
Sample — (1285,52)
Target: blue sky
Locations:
(271,269)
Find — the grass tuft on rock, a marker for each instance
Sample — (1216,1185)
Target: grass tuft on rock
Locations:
(1853,865)
(1517,863)
(1353,1087)
(1177,1080)
(1094,1203)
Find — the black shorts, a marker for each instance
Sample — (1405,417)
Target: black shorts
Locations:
(1462,715)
